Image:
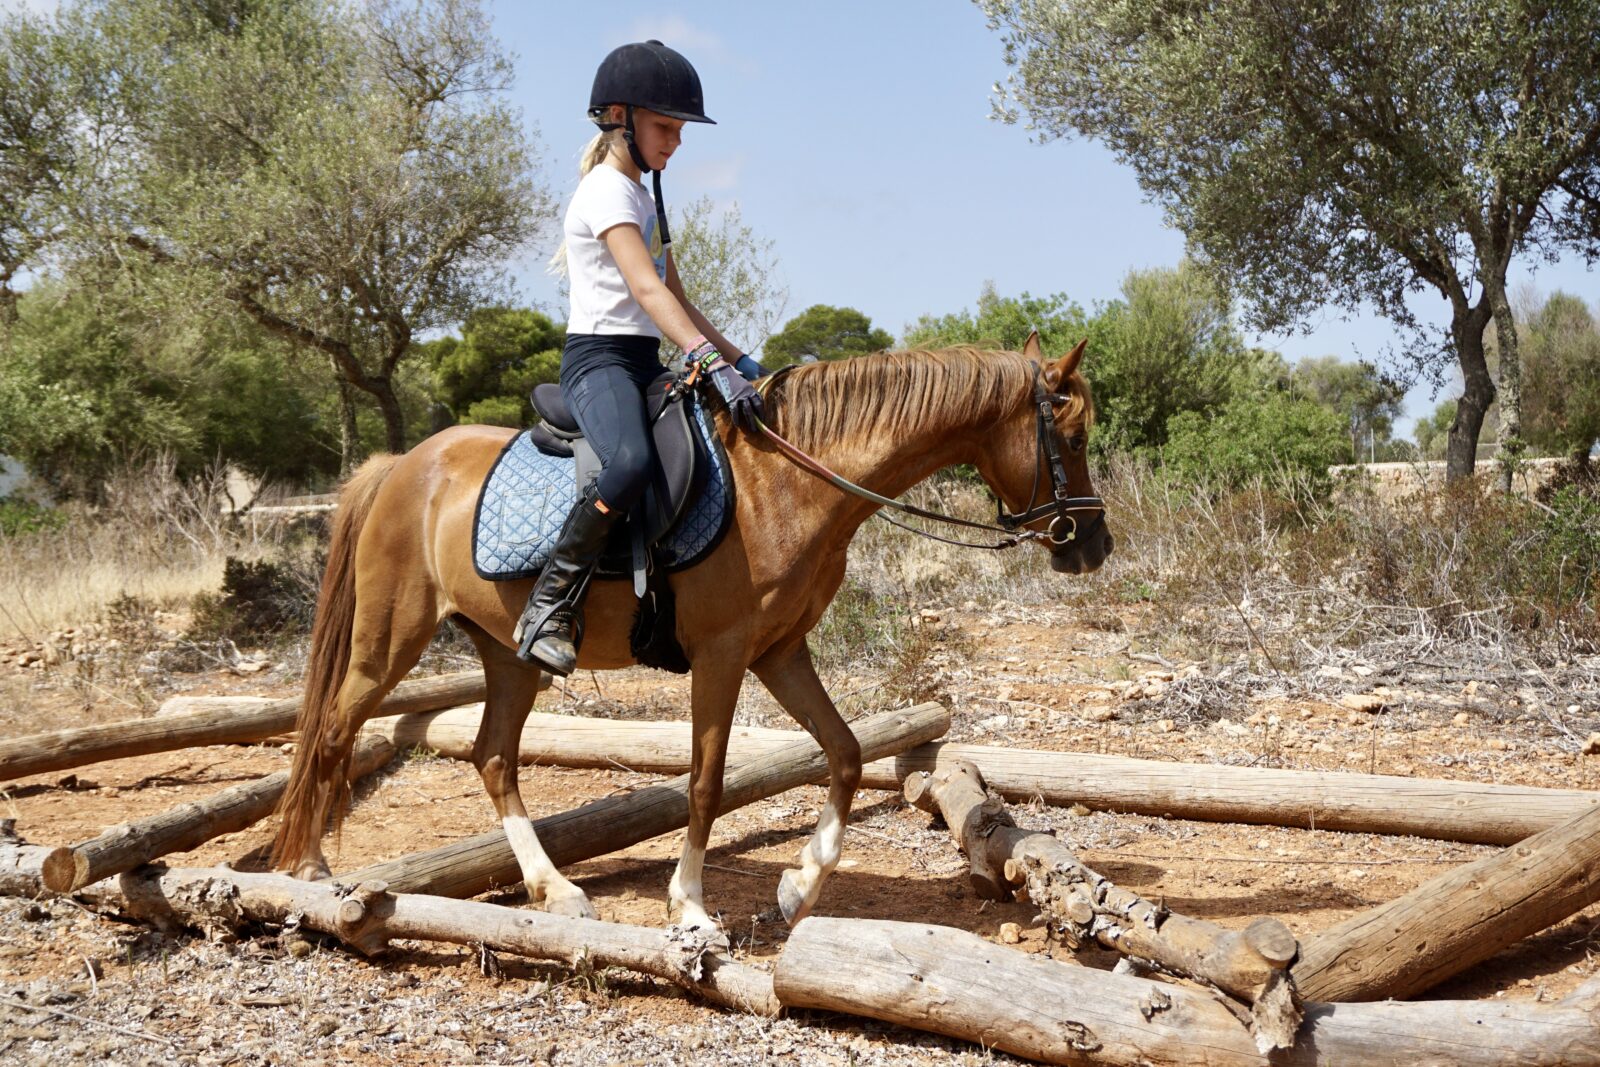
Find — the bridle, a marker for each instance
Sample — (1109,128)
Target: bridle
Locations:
(1047,463)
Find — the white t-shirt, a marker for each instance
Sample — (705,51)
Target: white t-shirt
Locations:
(601,301)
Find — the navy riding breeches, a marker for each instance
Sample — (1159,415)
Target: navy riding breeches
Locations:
(603,379)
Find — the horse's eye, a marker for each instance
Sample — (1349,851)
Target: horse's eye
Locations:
(1076,442)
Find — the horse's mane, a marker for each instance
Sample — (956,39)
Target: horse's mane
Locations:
(898,392)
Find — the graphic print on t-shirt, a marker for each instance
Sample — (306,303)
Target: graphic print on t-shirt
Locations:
(658,251)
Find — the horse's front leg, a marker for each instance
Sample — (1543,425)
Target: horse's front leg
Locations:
(714,690)
(792,680)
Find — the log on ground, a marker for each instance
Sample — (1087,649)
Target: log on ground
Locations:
(367,917)
(1360,803)
(58,750)
(20,863)
(469,867)
(956,983)
(186,826)
(1458,919)
(182,705)
(1081,905)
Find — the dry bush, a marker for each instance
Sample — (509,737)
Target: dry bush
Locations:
(156,538)
(1269,573)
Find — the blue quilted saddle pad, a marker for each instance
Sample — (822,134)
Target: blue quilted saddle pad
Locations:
(528,494)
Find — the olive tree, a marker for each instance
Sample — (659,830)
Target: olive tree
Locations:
(1340,154)
(349,177)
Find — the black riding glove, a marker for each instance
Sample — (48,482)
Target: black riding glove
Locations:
(744,403)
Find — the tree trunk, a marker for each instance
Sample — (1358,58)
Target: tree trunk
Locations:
(956,983)
(1082,905)
(349,431)
(469,867)
(394,419)
(1512,446)
(1466,330)
(189,825)
(1443,927)
(58,750)
(367,917)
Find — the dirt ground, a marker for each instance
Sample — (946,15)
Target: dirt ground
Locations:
(105,992)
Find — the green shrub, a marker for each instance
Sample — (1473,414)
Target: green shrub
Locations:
(1275,436)
(259,599)
(18,517)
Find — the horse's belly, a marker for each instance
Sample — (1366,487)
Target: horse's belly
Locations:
(608,619)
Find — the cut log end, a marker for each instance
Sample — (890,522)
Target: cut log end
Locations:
(1273,941)
(64,870)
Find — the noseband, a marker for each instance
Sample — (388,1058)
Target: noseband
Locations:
(1047,458)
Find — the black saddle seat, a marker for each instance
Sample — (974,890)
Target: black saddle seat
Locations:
(552,406)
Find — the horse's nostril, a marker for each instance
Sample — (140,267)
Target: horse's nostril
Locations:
(1111,544)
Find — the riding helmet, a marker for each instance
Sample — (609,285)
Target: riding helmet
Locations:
(648,75)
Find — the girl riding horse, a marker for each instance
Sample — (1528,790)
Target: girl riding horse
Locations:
(625,294)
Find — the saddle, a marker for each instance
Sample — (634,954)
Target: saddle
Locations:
(684,513)
(674,481)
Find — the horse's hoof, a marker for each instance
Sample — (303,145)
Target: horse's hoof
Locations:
(791,901)
(574,906)
(312,871)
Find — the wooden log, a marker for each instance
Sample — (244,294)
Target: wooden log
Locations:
(1317,800)
(194,705)
(576,741)
(466,868)
(42,753)
(1081,905)
(20,863)
(367,916)
(1466,915)
(956,983)
(187,826)
(1363,803)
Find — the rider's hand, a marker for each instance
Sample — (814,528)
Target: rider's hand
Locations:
(744,403)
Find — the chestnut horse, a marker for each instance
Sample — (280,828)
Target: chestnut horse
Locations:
(400,561)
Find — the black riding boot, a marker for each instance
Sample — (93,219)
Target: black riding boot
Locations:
(552,623)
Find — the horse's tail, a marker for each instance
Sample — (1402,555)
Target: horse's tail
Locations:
(326,666)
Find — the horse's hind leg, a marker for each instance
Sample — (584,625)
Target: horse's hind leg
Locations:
(512,687)
(791,678)
(388,636)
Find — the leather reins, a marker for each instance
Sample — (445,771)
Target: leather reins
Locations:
(1047,461)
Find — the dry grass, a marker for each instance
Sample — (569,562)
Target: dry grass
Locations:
(156,539)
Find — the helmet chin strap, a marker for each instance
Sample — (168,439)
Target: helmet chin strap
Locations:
(655,178)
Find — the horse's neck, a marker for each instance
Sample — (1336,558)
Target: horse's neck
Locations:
(889,464)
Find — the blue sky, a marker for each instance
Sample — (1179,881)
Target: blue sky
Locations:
(857,137)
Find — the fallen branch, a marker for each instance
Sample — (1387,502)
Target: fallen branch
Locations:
(367,917)
(1082,905)
(1458,919)
(467,868)
(187,826)
(956,983)
(20,863)
(1360,803)
(58,750)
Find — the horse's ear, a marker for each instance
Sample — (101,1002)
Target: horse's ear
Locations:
(1058,371)
(1069,362)
(1031,347)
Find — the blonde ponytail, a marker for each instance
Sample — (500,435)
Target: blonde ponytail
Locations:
(594,153)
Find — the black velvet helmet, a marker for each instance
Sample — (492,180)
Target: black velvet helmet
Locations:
(648,75)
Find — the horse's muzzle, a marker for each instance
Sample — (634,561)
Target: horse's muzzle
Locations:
(1087,550)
